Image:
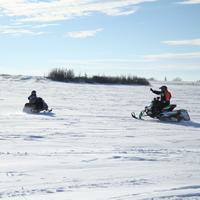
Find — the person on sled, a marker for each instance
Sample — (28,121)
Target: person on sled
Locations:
(33,97)
(37,102)
(164,100)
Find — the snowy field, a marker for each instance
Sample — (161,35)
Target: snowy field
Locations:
(90,148)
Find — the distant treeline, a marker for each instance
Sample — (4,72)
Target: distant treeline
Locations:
(68,75)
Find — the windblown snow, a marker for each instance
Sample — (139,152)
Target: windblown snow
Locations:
(90,148)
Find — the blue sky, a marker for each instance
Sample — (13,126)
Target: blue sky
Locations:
(151,39)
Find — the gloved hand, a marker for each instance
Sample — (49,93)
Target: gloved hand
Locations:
(151,89)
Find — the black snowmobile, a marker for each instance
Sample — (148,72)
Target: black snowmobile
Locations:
(167,113)
(37,107)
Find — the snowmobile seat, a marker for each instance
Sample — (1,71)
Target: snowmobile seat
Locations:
(169,107)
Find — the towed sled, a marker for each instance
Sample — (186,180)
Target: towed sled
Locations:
(167,113)
(37,107)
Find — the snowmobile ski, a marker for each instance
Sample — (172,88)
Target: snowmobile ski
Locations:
(47,111)
(134,116)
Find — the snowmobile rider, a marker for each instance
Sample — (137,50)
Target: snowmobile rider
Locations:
(165,98)
(33,97)
(37,103)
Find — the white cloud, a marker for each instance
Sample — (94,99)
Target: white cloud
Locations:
(171,55)
(83,34)
(190,2)
(186,42)
(120,64)
(18,30)
(145,58)
(40,11)
(119,12)
(172,67)
(100,61)
(44,25)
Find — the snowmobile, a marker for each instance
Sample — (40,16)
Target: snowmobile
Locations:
(166,114)
(37,107)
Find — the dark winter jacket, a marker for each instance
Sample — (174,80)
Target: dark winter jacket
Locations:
(32,98)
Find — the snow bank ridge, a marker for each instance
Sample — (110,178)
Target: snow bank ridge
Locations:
(5,77)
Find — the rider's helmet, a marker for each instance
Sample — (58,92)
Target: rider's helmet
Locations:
(163,88)
(33,93)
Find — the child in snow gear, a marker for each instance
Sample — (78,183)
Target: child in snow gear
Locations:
(165,97)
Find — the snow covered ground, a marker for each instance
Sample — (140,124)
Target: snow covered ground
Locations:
(90,148)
